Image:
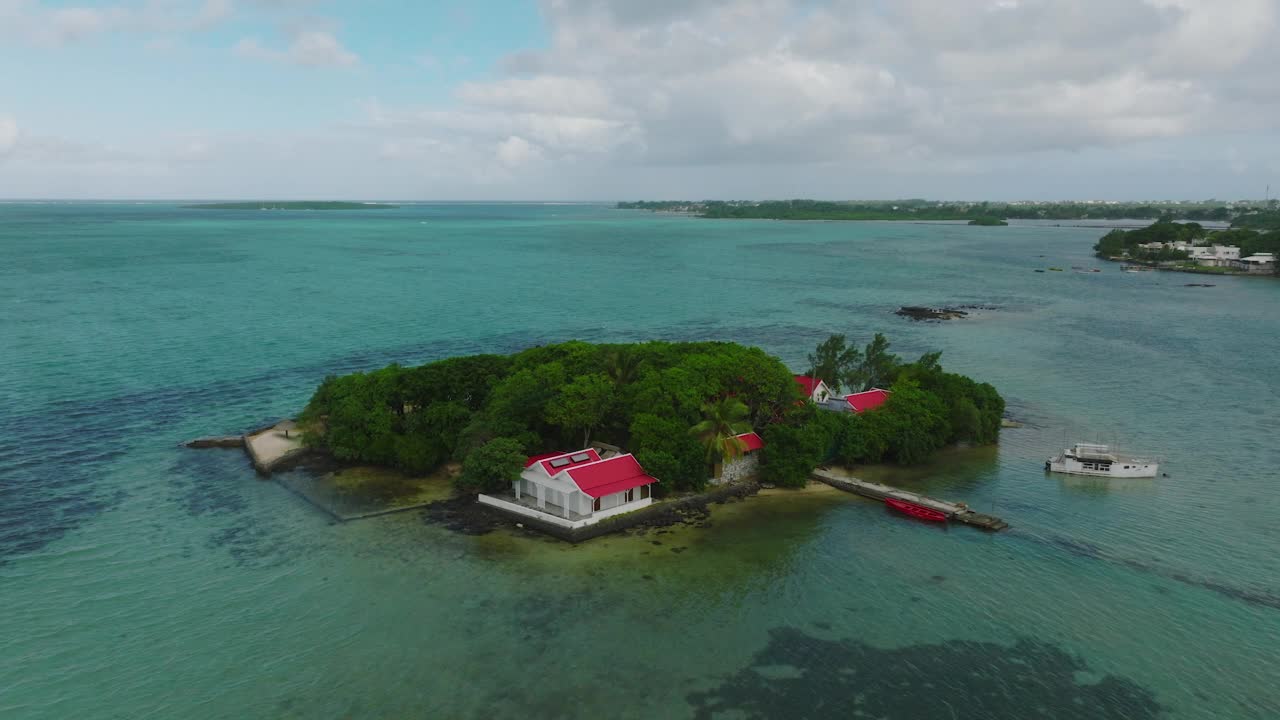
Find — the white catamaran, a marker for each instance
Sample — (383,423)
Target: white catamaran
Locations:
(1100,461)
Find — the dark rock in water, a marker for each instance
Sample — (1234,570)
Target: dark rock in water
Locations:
(925,313)
(1199,285)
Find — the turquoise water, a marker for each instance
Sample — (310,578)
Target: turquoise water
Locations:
(141,580)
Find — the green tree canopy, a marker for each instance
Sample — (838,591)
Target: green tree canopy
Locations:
(492,467)
(835,362)
(582,404)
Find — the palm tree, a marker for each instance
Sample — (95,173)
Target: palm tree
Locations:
(723,421)
(623,365)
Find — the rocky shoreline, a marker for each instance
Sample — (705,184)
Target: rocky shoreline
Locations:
(464,515)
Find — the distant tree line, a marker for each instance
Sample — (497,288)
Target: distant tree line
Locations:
(677,406)
(918,209)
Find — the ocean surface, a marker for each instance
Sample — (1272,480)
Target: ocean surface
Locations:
(139,579)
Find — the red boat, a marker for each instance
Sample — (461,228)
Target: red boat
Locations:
(916,511)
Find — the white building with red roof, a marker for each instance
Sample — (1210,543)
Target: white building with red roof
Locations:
(814,389)
(576,489)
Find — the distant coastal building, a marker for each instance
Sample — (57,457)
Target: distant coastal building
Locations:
(743,466)
(1258,263)
(1215,255)
(814,388)
(576,489)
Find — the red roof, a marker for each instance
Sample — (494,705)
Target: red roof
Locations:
(544,456)
(809,384)
(610,476)
(553,464)
(868,400)
(751,440)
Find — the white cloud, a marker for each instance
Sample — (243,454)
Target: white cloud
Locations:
(8,134)
(516,151)
(718,82)
(31,22)
(313,48)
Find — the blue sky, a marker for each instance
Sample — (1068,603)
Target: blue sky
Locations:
(608,99)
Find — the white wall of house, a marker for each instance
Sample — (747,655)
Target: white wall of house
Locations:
(563,493)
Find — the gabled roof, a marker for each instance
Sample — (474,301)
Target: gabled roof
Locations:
(557,463)
(610,476)
(752,441)
(867,400)
(809,384)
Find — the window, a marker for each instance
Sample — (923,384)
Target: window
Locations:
(559,462)
(580,457)
(596,505)
(644,491)
(631,495)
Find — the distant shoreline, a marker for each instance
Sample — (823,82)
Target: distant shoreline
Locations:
(291,205)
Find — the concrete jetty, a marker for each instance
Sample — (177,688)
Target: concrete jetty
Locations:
(273,446)
(958,512)
(267,447)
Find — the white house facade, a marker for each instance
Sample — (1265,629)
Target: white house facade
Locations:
(579,488)
(1215,255)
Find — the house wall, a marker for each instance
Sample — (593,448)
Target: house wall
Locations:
(556,520)
(738,469)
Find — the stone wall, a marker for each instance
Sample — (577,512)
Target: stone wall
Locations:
(740,469)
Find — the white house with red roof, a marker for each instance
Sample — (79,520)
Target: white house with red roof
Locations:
(576,489)
(743,466)
(814,389)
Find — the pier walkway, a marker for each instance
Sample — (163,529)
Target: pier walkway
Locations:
(958,512)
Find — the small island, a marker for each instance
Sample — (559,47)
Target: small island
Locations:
(989,221)
(292,205)
(580,439)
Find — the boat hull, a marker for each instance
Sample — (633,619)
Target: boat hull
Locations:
(916,511)
(1117,470)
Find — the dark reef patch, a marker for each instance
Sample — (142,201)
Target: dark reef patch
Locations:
(1253,596)
(212,484)
(800,676)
